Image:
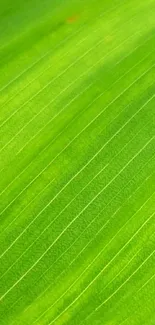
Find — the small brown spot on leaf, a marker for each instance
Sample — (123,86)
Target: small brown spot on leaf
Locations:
(72,19)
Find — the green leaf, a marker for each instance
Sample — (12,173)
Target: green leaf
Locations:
(77,166)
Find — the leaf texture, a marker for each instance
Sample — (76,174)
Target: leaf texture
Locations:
(77,162)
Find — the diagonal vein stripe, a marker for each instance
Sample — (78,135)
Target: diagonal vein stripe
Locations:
(130,37)
(76,117)
(56,115)
(146,283)
(139,290)
(33,199)
(128,278)
(59,75)
(48,224)
(47,249)
(38,61)
(92,121)
(62,92)
(56,47)
(120,129)
(41,192)
(88,267)
(94,219)
(73,119)
(151,216)
(23,276)
(66,53)
(54,79)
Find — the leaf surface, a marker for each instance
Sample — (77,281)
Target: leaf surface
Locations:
(77,162)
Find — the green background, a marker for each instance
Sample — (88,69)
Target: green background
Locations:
(77,162)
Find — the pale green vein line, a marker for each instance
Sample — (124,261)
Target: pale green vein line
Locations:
(23,276)
(146,221)
(59,75)
(51,50)
(92,121)
(62,92)
(46,226)
(94,219)
(71,122)
(116,133)
(95,260)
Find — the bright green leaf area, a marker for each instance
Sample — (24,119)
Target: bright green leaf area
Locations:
(77,162)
